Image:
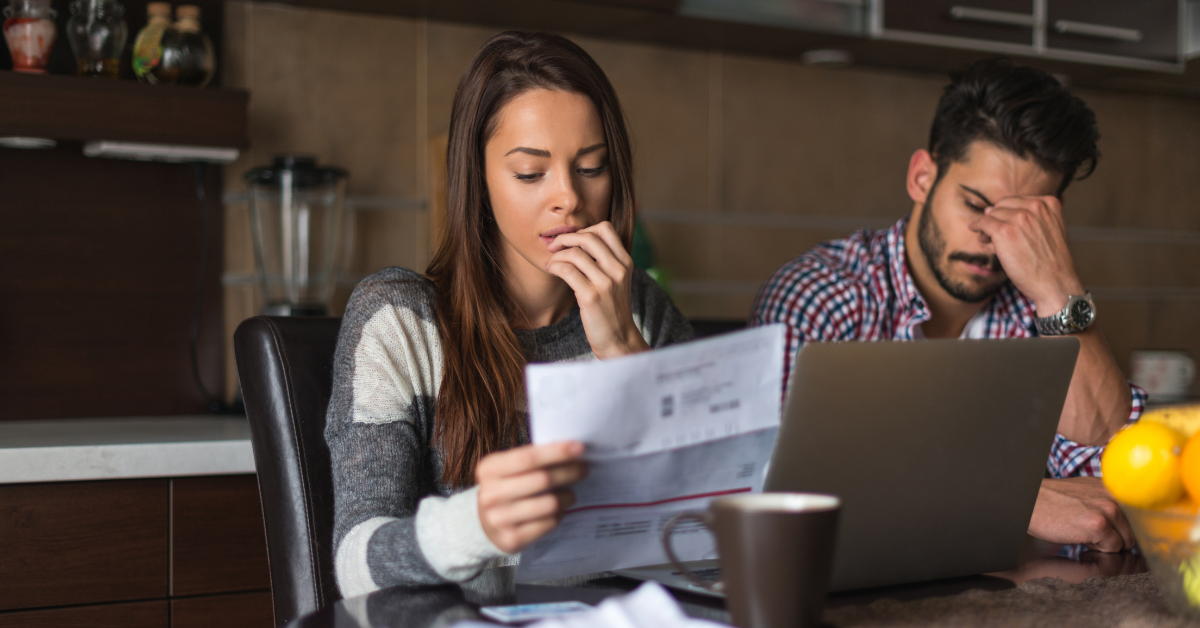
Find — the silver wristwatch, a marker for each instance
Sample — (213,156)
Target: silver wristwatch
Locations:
(1076,316)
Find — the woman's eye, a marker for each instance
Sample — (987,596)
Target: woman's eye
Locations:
(974,207)
(528,177)
(591,172)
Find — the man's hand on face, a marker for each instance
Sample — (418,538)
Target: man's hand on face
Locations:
(1080,511)
(1030,240)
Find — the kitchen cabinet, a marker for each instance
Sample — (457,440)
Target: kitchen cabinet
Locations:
(237,609)
(1146,29)
(129,615)
(1144,34)
(83,542)
(118,552)
(997,21)
(217,536)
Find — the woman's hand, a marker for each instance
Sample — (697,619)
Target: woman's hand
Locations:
(595,265)
(522,493)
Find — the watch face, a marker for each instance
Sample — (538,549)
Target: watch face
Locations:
(1081,313)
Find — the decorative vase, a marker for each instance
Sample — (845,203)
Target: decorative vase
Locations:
(187,53)
(97,33)
(30,33)
(148,46)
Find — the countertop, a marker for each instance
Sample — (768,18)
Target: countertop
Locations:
(60,450)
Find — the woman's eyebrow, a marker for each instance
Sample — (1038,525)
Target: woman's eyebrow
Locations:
(593,147)
(536,152)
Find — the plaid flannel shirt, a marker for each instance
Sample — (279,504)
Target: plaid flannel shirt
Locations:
(859,288)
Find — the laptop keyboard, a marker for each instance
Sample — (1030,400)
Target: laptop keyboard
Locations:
(708,574)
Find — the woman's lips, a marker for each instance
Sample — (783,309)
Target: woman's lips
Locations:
(549,236)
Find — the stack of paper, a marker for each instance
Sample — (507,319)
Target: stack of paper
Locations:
(666,431)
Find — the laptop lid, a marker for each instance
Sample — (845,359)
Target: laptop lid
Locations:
(936,447)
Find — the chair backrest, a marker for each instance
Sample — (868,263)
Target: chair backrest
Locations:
(285,365)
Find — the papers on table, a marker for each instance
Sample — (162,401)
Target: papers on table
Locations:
(666,431)
(648,606)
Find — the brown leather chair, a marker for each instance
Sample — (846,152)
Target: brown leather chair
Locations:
(285,365)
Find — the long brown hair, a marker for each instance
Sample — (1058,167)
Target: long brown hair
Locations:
(481,398)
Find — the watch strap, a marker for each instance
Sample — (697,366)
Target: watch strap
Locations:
(1059,323)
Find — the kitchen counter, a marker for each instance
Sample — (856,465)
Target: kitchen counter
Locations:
(139,447)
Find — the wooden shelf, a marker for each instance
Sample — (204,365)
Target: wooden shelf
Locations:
(83,109)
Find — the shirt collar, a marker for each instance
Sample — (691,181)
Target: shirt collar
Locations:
(911,308)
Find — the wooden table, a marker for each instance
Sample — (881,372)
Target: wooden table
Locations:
(443,605)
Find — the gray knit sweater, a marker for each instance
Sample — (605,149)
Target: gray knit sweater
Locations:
(395,522)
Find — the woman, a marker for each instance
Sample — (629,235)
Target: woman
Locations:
(433,476)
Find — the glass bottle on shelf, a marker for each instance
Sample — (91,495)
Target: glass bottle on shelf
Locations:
(30,33)
(148,45)
(97,33)
(187,52)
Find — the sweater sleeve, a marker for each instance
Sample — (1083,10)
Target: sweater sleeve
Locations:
(660,322)
(391,526)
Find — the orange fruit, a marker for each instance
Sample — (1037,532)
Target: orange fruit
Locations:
(1189,467)
(1141,465)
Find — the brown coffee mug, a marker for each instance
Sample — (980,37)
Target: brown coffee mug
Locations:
(776,552)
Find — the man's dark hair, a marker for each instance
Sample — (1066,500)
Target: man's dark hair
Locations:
(1023,110)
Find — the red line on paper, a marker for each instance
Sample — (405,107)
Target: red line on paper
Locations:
(681,498)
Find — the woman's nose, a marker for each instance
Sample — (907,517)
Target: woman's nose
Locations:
(564,195)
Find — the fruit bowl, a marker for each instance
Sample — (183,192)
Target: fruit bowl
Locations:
(1169,539)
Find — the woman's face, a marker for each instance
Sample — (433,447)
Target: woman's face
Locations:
(547,173)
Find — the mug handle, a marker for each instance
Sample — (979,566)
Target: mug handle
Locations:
(675,562)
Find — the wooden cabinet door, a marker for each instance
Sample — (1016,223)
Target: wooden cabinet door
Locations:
(1145,29)
(1005,21)
(218,544)
(237,610)
(82,542)
(129,615)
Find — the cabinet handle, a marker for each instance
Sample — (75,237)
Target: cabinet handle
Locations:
(1097,30)
(991,16)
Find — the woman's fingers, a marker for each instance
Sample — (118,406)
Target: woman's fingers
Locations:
(577,257)
(531,531)
(522,459)
(576,280)
(608,233)
(598,249)
(534,482)
(533,508)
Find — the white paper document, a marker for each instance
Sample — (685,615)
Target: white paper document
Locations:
(665,431)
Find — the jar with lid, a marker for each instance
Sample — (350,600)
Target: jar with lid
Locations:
(188,56)
(97,33)
(30,32)
(148,45)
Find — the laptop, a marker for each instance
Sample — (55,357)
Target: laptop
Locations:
(937,449)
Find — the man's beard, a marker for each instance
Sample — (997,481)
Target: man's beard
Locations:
(933,245)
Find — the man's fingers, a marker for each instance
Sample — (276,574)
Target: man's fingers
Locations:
(1030,203)
(1121,525)
(526,458)
(1109,541)
(986,224)
(1109,530)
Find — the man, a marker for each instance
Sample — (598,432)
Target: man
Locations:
(984,255)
